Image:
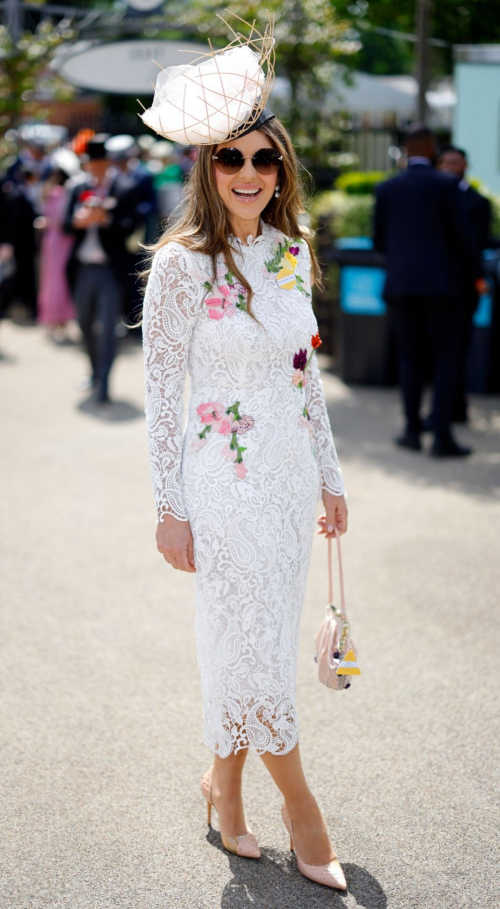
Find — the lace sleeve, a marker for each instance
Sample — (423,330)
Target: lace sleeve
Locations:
(331,474)
(171,304)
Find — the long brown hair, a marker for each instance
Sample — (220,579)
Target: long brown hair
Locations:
(203,224)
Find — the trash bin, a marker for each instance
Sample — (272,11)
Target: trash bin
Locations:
(367,348)
(483,363)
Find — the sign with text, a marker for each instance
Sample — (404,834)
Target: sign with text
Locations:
(126,67)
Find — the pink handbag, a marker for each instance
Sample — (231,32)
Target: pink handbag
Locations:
(336,654)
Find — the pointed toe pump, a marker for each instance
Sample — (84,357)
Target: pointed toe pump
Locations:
(245,845)
(330,875)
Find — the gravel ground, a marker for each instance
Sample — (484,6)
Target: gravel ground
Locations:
(101,745)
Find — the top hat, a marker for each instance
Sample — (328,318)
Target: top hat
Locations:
(96,147)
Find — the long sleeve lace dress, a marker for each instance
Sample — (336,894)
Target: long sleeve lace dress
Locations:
(248,471)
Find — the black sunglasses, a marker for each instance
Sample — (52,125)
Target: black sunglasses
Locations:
(230,160)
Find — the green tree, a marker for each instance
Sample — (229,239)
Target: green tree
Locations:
(23,63)
(470,22)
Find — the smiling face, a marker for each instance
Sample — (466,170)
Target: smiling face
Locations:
(246,193)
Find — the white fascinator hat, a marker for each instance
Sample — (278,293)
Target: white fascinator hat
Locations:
(219,96)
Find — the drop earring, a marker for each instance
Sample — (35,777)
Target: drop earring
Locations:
(277,193)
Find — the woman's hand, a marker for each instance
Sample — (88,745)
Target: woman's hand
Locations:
(175,542)
(335,515)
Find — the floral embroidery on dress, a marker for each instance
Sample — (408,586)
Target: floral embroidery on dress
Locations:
(228,422)
(233,297)
(301,362)
(284,265)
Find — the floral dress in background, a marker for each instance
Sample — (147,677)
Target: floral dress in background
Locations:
(248,472)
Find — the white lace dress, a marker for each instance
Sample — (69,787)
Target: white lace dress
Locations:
(248,472)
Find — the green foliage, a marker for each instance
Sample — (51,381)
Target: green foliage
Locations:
(382,55)
(348,216)
(23,68)
(457,23)
(360,183)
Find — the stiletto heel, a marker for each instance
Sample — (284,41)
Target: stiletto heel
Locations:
(330,875)
(245,845)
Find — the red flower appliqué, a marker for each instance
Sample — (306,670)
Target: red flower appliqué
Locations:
(301,362)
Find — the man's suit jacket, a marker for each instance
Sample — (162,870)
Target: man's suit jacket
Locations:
(421,226)
(478,211)
(18,215)
(124,219)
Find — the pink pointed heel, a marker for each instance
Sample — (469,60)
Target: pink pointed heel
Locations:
(330,875)
(245,845)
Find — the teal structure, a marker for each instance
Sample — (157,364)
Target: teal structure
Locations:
(476,123)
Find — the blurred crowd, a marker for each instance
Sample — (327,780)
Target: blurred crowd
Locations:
(74,218)
(76,215)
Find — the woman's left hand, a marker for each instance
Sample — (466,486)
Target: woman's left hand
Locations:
(335,515)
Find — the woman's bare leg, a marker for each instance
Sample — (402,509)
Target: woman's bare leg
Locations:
(311,837)
(226,793)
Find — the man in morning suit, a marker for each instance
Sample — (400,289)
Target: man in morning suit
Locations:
(421,227)
(102,214)
(453,161)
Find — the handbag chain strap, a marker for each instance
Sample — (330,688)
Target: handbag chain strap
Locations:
(342,610)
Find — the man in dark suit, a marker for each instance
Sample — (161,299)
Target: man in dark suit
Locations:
(123,151)
(20,217)
(420,225)
(453,161)
(102,214)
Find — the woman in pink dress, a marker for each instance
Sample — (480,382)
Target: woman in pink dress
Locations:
(55,306)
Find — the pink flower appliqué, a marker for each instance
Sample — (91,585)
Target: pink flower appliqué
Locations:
(210,412)
(225,427)
(244,424)
(299,379)
(227,422)
(228,453)
(232,296)
(218,307)
(198,443)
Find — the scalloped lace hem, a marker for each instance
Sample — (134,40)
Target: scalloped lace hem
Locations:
(264,730)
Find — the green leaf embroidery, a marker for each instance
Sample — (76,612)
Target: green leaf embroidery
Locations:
(300,285)
(273,265)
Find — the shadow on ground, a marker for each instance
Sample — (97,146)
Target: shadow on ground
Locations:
(113,411)
(366,420)
(275,882)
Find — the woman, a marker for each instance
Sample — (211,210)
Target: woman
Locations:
(229,299)
(55,305)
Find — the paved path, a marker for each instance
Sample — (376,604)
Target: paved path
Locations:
(101,739)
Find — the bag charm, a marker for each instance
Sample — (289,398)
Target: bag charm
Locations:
(336,654)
